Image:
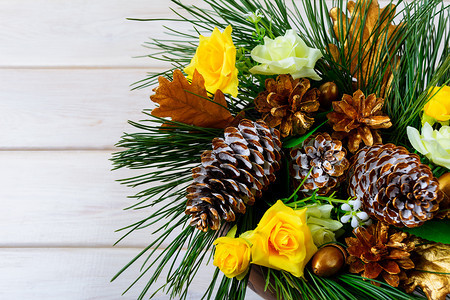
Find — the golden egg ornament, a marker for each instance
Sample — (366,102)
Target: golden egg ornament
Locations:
(444,206)
(328,260)
(328,93)
(444,184)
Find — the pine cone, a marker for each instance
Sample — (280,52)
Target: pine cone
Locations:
(394,186)
(326,156)
(358,118)
(233,174)
(288,103)
(379,250)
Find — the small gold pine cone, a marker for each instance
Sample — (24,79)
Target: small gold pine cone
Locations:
(288,103)
(378,251)
(358,118)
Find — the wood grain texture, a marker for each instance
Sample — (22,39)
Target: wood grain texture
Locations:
(81,33)
(75,274)
(68,109)
(68,199)
(65,71)
(49,33)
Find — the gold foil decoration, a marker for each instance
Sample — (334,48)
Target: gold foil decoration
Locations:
(432,259)
(368,32)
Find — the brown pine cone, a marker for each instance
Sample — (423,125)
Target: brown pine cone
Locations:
(393,186)
(379,250)
(236,171)
(327,158)
(288,103)
(358,118)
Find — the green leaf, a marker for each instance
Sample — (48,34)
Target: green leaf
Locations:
(291,143)
(232,232)
(436,231)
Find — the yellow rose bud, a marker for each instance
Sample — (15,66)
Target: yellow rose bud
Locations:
(282,240)
(232,256)
(215,60)
(438,107)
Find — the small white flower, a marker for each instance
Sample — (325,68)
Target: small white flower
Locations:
(345,218)
(353,213)
(346,207)
(362,215)
(254,17)
(355,203)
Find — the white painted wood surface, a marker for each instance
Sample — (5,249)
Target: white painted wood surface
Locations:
(65,74)
(65,71)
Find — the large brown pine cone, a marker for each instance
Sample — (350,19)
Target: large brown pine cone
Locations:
(288,103)
(236,171)
(379,250)
(358,118)
(327,158)
(394,186)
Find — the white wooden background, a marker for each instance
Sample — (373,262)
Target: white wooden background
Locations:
(65,70)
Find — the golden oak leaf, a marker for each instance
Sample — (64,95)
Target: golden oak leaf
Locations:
(368,32)
(187,102)
(433,259)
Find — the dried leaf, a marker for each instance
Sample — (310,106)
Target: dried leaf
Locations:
(433,258)
(187,102)
(369,28)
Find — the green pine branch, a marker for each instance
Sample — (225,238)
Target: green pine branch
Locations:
(167,154)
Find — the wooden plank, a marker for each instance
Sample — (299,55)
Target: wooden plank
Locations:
(78,32)
(67,198)
(82,33)
(68,109)
(74,274)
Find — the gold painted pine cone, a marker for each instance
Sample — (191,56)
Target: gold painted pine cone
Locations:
(358,118)
(288,103)
(378,251)
(326,156)
(233,173)
(394,186)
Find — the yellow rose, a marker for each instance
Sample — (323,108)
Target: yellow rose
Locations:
(282,240)
(232,256)
(438,107)
(286,54)
(215,60)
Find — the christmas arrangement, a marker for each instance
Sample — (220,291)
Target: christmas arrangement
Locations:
(302,148)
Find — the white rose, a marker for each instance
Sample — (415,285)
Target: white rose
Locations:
(321,235)
(434,144)
(286,54)
(322,227)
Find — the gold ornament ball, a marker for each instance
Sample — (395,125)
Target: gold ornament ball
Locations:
(328,93)
(444,184)
(328,260)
